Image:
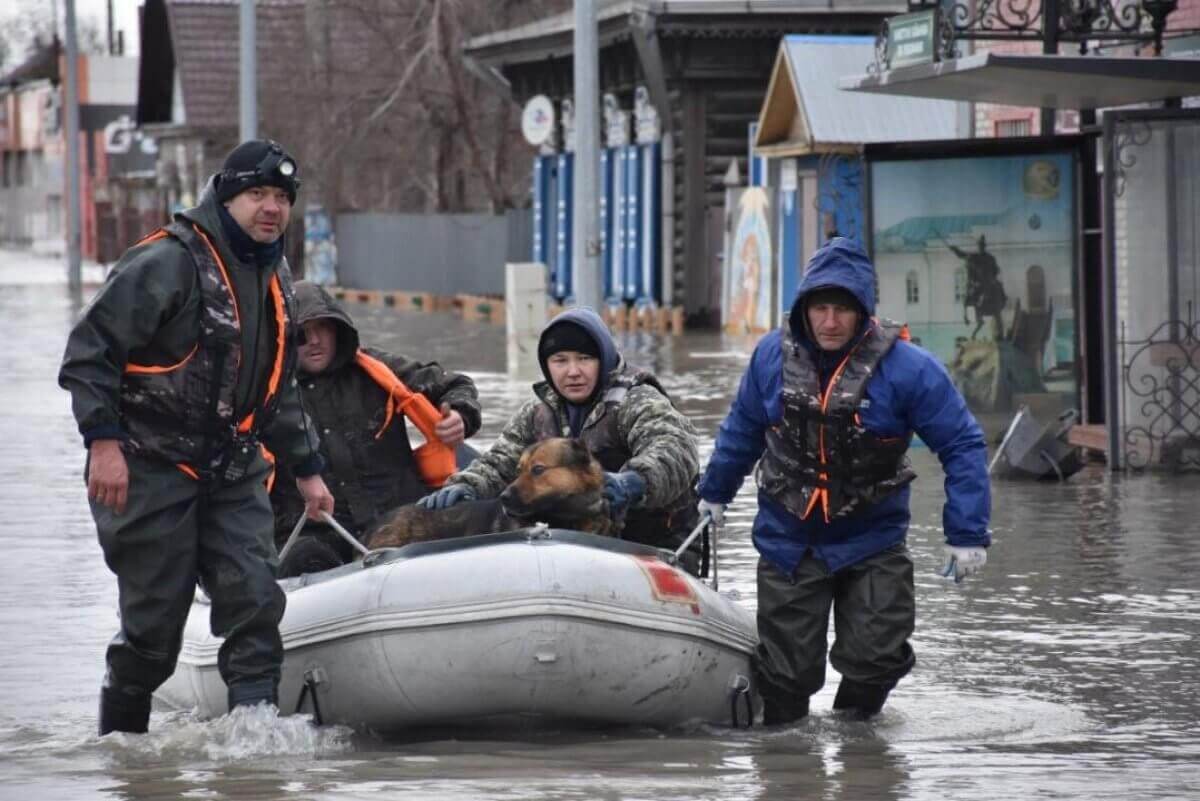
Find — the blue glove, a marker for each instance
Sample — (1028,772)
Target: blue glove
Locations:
(447,496)
(623,490)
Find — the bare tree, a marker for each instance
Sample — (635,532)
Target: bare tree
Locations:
(29,25)
(389,116)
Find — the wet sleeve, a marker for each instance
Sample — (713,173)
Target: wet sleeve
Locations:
(742,436)
(151,286)
(291,437)
(662,442)
(491,472)
(440,386)
(937,412)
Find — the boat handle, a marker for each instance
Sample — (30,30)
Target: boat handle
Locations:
(328,520)
(706,522)
(740,690)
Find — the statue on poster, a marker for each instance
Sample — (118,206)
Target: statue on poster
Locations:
(992,234)
(985,291)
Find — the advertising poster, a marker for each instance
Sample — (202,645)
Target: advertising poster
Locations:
(749,263)
(977,256)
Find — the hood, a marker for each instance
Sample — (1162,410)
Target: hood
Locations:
(314,303)
(205,213)
(840,263)
(589,321)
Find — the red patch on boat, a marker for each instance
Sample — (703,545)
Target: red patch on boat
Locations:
(667,583)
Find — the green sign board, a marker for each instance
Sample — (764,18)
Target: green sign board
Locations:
(911,38)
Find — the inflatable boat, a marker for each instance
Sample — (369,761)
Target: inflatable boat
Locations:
(527,627)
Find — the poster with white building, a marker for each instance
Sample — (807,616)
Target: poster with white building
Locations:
(977,255)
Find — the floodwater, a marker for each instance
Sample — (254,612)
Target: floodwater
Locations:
(1068,669)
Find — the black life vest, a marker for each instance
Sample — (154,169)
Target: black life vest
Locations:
(821,454)
(185,412)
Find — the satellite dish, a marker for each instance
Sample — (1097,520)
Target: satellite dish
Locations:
(537,120)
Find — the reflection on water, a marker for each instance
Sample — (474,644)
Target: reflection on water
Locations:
(1066,671)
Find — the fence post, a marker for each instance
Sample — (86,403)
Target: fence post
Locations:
(525,312)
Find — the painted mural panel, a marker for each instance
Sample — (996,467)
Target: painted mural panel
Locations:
(977,256)
(748,278)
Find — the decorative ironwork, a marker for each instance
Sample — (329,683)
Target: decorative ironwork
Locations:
(994,16)
(1161,377)
(1131,135)
(1081,21)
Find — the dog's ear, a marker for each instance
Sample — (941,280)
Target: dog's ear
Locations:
(580,455)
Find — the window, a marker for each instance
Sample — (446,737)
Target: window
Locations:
(912,288)
(960,284)
(1021,127)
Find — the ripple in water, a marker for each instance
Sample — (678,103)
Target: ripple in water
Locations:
(248,732)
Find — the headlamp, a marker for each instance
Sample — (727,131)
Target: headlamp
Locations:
(276,168)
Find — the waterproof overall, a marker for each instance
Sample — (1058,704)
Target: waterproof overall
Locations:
(822,462)
(197,509)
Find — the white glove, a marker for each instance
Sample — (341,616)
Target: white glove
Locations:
(963,562)
(714,510)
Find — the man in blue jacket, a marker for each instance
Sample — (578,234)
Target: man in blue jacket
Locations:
(830,403)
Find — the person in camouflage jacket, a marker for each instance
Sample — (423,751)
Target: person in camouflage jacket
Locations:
(623,415)
(180,373)
(369,463)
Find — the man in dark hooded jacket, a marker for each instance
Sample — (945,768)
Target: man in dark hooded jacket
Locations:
(645,445)
(369,463)
(830,403)
(178,369)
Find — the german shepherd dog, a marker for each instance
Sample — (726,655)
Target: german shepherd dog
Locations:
(558,483)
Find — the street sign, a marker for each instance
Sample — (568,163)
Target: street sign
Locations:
(911,39)
(537,120)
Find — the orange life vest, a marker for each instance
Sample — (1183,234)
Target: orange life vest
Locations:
(435,460)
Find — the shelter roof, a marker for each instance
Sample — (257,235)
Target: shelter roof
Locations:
(1046,81)
(804,111)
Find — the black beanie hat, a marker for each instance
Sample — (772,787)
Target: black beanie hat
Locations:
(258,162)
(566,335)
(833,294)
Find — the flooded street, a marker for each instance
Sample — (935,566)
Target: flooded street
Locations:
(1068,669)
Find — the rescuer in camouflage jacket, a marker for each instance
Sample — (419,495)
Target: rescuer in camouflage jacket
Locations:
(624,416)
(181,376)
(369,463)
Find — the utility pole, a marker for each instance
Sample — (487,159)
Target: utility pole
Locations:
(585,234)
(248,74)
(74,267)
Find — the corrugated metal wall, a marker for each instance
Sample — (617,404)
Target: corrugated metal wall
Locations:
(446,254)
